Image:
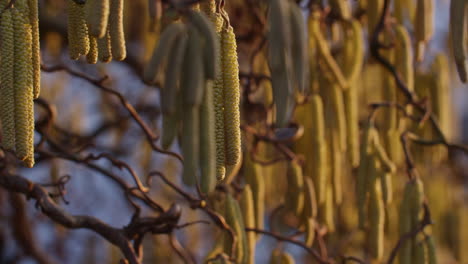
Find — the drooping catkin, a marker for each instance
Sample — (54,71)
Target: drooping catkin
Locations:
(164,45)
(208,141)
(326,210)
(420,251)
(339,118)
(423,26)
(211,43)
(254,178)
(116,29)
(280,62)
(387,186)
(172,74)
(190,144)
(336,168)
(231,83)
(310,232)
(23,86)
(97,16)
(294,198)
(7,87)
(92,56)
(440,92)
(169,129)
(387,163)
(299,50)
(374,10)
(310,200)
(319,161)
(365,151)
(78,41)
(313,22)
(247,206)
(193,79)
(458,30)
(326,56)
(218,102)
(234,219)
(279,34)
(36,49)
(104,48)
(404,223)
(281,257)
(376,221)
(404,56)
(431,250)
(341,8)
(352,61)
(209,8)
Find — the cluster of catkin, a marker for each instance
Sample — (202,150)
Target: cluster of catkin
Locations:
(20,76)
(200,92)
(96,30)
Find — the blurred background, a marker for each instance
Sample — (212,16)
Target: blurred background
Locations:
(95,122)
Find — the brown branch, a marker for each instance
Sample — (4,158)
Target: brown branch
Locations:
(409,235)
(301,244)
(98,83)
(18,184)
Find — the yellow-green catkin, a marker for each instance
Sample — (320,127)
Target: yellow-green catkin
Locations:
(326,210)
(423,26)
(207,141)
(294,198)
(310,201)
(431,250)
(97,16)
(78,41)
(231,83)
(376,221)
(104,48)
(281,257)
(211,47)
(405,253)
(255,179)
(193,80)
(387,186)
(234,219)
(313,22)
(116,29)
(458,30)
(36,48)
(440,92)
(412,206)
(280,62)
(23,85)
(169,129)
(352,61)
(247,206)
(319,162)
(218,102)
(190,144)
(374,11)
(420,251)
(341,8)
(7,88)
(92,56)
(339,118)
(365,151)
(299,49)
(310,232)
(218,93)
(336,158)
(404,56)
